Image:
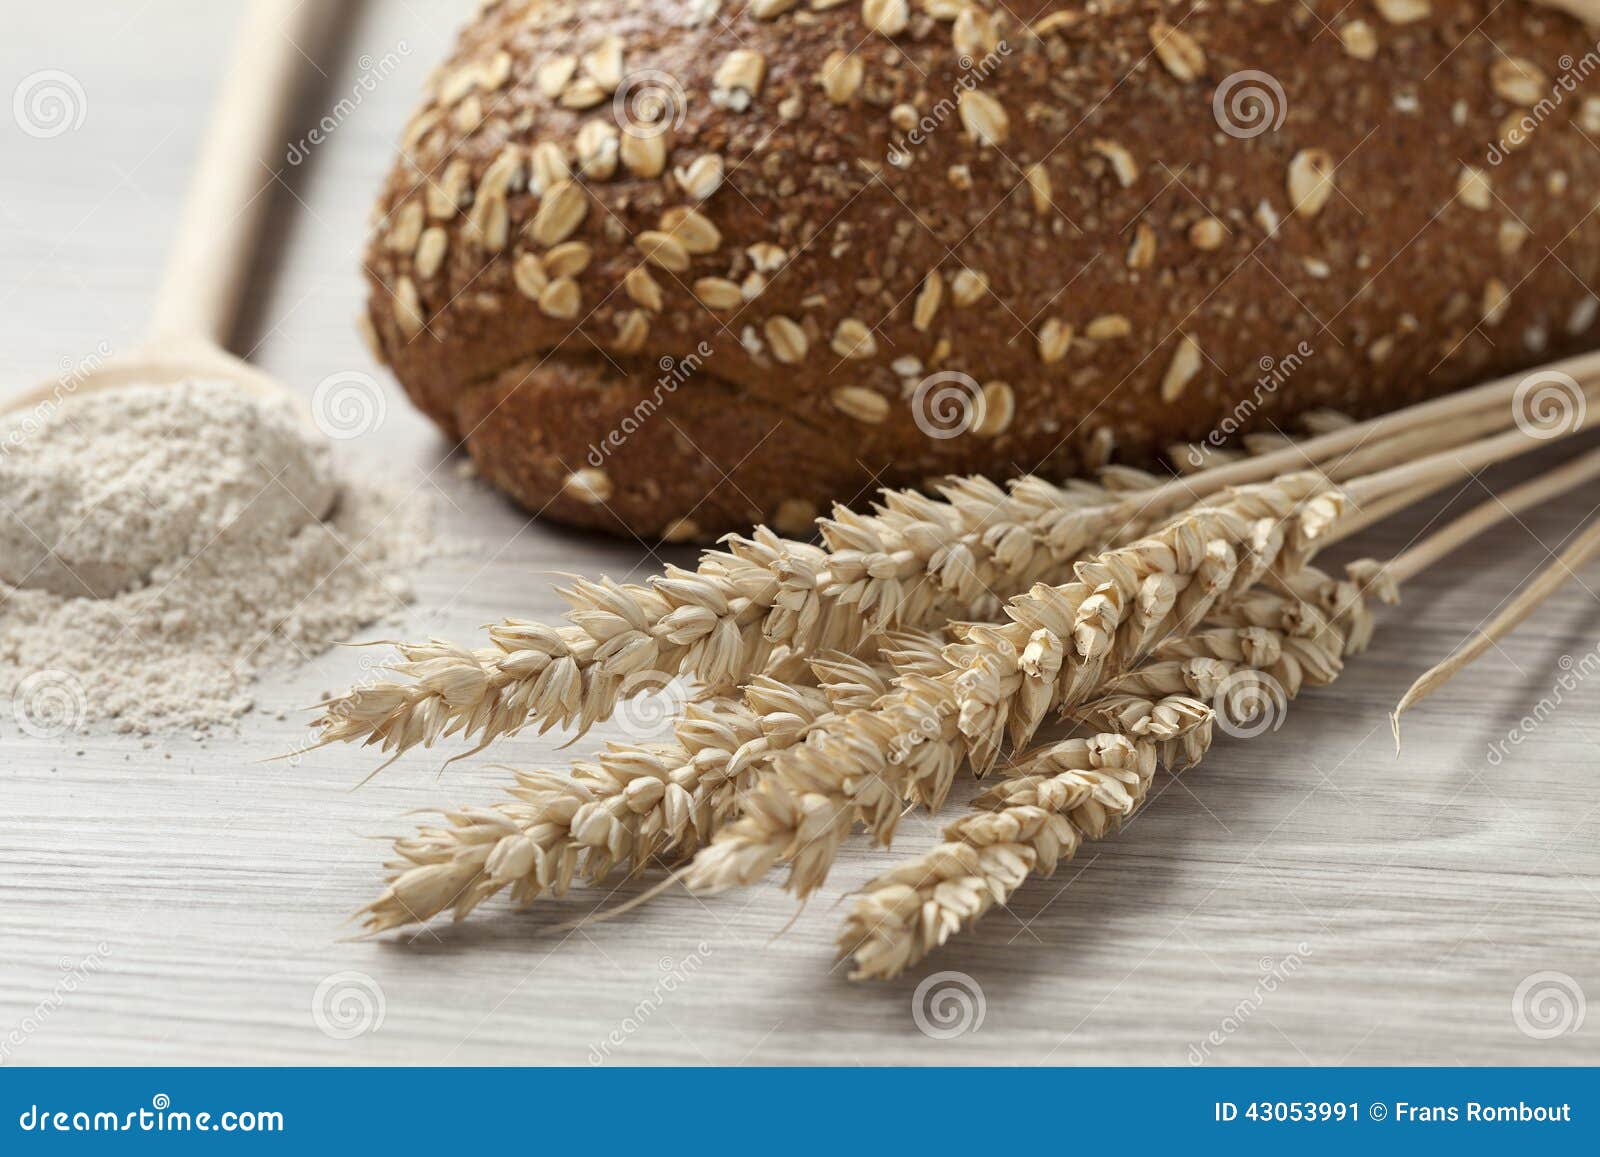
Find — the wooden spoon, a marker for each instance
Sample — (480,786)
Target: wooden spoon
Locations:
(199,297)
(195,309)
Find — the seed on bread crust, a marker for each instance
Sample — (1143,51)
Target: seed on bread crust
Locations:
(563,209)
(664,250)
(886,17)
(1181,370)
(1177,50)
(1055,339)
(928,299)
(968,287)
(693,230)
(841,76)
(431,249)
(1122,162)
(633,327)
(407,308)
(788,341)
(645,154)
(1310,181)
(1207,234)
(701,177)
(983,117)
(1404,11)
(1108,327)
(1518,80)
(529,276)
(999,408)
(561,299)
(589,485)
(642,288)
(852,339)
(861,404)
(1472,188)
(1359,40)
(1038,178)
(718,293)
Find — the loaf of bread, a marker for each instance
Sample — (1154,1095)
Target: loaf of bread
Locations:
(674,267)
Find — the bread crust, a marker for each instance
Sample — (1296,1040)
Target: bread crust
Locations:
(1119,261)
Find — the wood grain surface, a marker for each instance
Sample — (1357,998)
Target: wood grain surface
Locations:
(196,896)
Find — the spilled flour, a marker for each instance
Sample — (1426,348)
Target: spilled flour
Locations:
(161,547)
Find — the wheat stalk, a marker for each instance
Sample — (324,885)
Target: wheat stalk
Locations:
(1577,553)
(1055,798)
(630,805)
(1062,644)
(914,562)
(912,741)
(1041,813)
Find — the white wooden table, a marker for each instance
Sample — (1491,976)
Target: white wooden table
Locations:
(208,890)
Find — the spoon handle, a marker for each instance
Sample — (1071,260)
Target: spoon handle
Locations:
(233,182)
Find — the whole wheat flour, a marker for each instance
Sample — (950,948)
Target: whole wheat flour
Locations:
(162,546)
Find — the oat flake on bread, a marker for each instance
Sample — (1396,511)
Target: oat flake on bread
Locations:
(162,546)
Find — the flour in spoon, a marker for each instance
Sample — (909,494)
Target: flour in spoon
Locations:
(162,546)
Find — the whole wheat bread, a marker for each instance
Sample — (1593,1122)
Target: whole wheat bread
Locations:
(678,266)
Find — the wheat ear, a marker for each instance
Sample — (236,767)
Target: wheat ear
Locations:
(914,562)
(911,742)
(629,806)
(1295,637)
(1055,798)
(1061,646)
